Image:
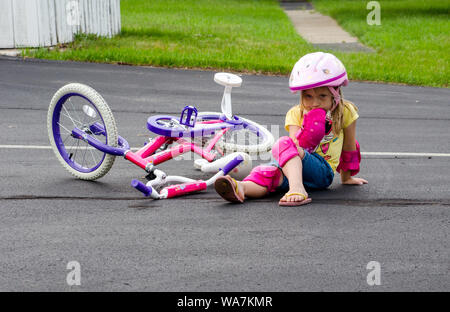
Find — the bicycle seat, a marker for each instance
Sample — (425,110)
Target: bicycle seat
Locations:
(228,80)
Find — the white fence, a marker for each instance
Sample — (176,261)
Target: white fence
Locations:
(38,23)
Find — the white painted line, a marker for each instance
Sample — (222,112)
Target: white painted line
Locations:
(25,147)
(48,147)
(406,154)
(43,147)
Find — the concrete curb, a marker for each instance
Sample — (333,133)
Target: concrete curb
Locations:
(10,52)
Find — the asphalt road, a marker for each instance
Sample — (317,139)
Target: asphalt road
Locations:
(200,243)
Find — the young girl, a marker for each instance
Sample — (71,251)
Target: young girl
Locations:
(321,139)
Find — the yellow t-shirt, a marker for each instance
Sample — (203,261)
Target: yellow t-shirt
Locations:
(330,151)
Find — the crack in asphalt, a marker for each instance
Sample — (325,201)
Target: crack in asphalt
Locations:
(392,202)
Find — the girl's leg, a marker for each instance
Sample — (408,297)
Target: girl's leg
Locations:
(293,172)
(252,190)
(288,154)
(236,191)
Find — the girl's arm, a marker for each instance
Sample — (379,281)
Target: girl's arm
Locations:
(292,132)
(350,145)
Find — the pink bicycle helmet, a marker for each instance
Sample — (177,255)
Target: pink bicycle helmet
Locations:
(319,69)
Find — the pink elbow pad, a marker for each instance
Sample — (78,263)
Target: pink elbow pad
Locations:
(313,129)
(284,149)
(350,161)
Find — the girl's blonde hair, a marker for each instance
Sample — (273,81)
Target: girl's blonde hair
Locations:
(337,116)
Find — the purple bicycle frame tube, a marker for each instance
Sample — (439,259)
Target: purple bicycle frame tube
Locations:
(99,129)
(118,151)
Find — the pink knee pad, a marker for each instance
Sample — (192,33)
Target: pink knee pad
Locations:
(267,176)
(284,149)
(313,129)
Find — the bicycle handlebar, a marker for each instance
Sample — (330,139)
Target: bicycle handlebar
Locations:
(232,164)
(147,191)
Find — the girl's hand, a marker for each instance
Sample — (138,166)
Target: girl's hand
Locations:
(354,181)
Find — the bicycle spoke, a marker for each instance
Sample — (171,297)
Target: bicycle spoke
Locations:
(71,148)
(84,155)
(85,116)
(70,117)
(70,132)
(76,150)
(92,154)
(68,136)
(75,111)
(73,120)
(73,117)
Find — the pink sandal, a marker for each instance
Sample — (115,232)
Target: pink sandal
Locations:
(228,188)
(304,201)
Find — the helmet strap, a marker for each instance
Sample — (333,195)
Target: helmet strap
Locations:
(336,96)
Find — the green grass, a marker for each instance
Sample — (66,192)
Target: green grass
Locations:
(411,44)
(253,36)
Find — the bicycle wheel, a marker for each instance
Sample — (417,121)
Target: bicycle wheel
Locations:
(252,139)
(78,105)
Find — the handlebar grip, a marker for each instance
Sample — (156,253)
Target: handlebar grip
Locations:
(147,191)
(232,164)
(183,189)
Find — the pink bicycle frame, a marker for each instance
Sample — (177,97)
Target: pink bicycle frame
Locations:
(146,156)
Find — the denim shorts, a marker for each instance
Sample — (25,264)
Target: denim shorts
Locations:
(317,173)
